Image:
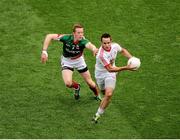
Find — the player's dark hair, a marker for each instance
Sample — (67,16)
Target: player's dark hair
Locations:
(77,26)
(106,35)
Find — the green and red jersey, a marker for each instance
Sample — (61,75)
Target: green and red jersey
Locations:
(71,48)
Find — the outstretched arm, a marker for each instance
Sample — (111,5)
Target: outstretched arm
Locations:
(92,47)
(47,41)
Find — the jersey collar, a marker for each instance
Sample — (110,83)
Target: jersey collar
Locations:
(107,50)
(74,42)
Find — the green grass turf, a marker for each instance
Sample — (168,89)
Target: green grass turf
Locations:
(34,103)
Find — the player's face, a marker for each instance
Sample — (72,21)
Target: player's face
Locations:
(106,43)
(79,33)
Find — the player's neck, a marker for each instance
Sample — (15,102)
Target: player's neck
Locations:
(75,41)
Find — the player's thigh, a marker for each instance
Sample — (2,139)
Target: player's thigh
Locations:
(87,77)
(101,84)
(110,84)
(109,91)
(67,76)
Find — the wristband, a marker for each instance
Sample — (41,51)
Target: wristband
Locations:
(45,52)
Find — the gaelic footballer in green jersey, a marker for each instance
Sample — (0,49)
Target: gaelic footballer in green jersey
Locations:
(72,58)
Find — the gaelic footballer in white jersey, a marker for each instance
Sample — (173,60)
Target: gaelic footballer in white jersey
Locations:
(103,59)
(105,70)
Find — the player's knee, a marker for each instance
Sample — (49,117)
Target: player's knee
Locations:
(108,95)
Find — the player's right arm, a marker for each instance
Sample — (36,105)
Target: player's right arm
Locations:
(111,68)
(47,41)
(92,47)
(105,61)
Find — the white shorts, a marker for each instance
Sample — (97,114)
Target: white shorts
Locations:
(78,64)
(107,82)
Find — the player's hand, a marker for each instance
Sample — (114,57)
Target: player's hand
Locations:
(95,51)
(131,68)
(44,57)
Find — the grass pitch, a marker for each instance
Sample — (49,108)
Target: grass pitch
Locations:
(34,103)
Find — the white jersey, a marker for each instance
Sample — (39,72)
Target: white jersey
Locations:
(105,58)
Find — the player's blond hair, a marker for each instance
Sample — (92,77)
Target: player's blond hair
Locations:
(78,25)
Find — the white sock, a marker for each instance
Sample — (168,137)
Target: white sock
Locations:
(100,111)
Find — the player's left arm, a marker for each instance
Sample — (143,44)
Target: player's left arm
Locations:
(126,53)
(92,47)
